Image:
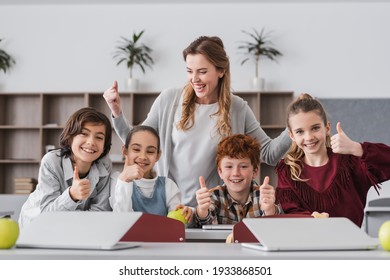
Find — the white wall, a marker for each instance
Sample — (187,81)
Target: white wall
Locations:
(330,49)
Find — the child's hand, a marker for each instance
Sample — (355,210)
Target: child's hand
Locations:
(267,197)
(203,199)
(111,96)
(131,171)
(80,187)
(341,144)
(315,214)
(187,211)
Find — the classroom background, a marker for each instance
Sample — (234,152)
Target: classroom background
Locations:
(334,50)
(331,49)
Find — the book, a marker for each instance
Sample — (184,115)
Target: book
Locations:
(24,185)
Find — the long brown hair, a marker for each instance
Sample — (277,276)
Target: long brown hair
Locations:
(305,103)
(212,49)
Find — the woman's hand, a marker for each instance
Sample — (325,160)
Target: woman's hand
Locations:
(112,98)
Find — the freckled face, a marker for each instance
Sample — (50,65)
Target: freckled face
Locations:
(204,78)
(237,174)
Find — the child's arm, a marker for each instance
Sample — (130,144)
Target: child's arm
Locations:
(267,198)
(173,195)
(342,144)
(121,196)
(203,199)
(100,196)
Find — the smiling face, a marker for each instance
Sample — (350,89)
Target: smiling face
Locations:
(309,132)
(143,151)
(88,145)
(204,78)
(237,174)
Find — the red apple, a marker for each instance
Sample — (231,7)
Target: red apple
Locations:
(9,233)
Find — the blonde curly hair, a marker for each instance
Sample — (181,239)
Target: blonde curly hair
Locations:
(211,48)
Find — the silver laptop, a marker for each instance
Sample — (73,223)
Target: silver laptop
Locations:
(305,234)
(79,230)
(218,227)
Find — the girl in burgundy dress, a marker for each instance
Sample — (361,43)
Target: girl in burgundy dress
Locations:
(327,176)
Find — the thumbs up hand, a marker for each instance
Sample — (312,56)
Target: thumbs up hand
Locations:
(80,188)
(267,197)
(203,199)
(342,144)
(111,96)
(131,171)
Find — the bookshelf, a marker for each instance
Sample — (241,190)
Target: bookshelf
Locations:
(36,120)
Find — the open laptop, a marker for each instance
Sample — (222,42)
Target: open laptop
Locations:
(79,230)
(306,234)
(218,227)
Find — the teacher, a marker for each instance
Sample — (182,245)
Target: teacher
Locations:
(191,120)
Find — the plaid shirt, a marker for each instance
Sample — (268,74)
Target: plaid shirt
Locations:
(225,210)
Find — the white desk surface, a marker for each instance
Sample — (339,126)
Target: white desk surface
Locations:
(6,213)
(198,234)
(188,251)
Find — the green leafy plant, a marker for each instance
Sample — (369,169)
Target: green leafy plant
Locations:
(6,61)
(260,46)
(134,53)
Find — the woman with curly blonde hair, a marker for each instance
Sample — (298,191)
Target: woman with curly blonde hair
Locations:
(192,120)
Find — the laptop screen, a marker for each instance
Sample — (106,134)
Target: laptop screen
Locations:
(77,230)
(286,234)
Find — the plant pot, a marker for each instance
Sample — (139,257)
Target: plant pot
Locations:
(258,83)
(132,84)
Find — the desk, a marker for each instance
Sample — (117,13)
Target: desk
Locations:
(209,235)
(6,213)
(188,251)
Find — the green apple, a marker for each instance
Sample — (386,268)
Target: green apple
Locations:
(9,233)
(177,215)
(384,235)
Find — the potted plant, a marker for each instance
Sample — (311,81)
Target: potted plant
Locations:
(6,61)
(260,46)
(135,54)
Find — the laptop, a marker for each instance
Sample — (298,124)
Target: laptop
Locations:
(79,230)
(218,227)
(307,234)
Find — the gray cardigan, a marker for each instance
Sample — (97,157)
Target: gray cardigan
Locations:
(52,192)
(161,117)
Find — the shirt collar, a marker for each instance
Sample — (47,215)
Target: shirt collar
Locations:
(97,168)
(231,201)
